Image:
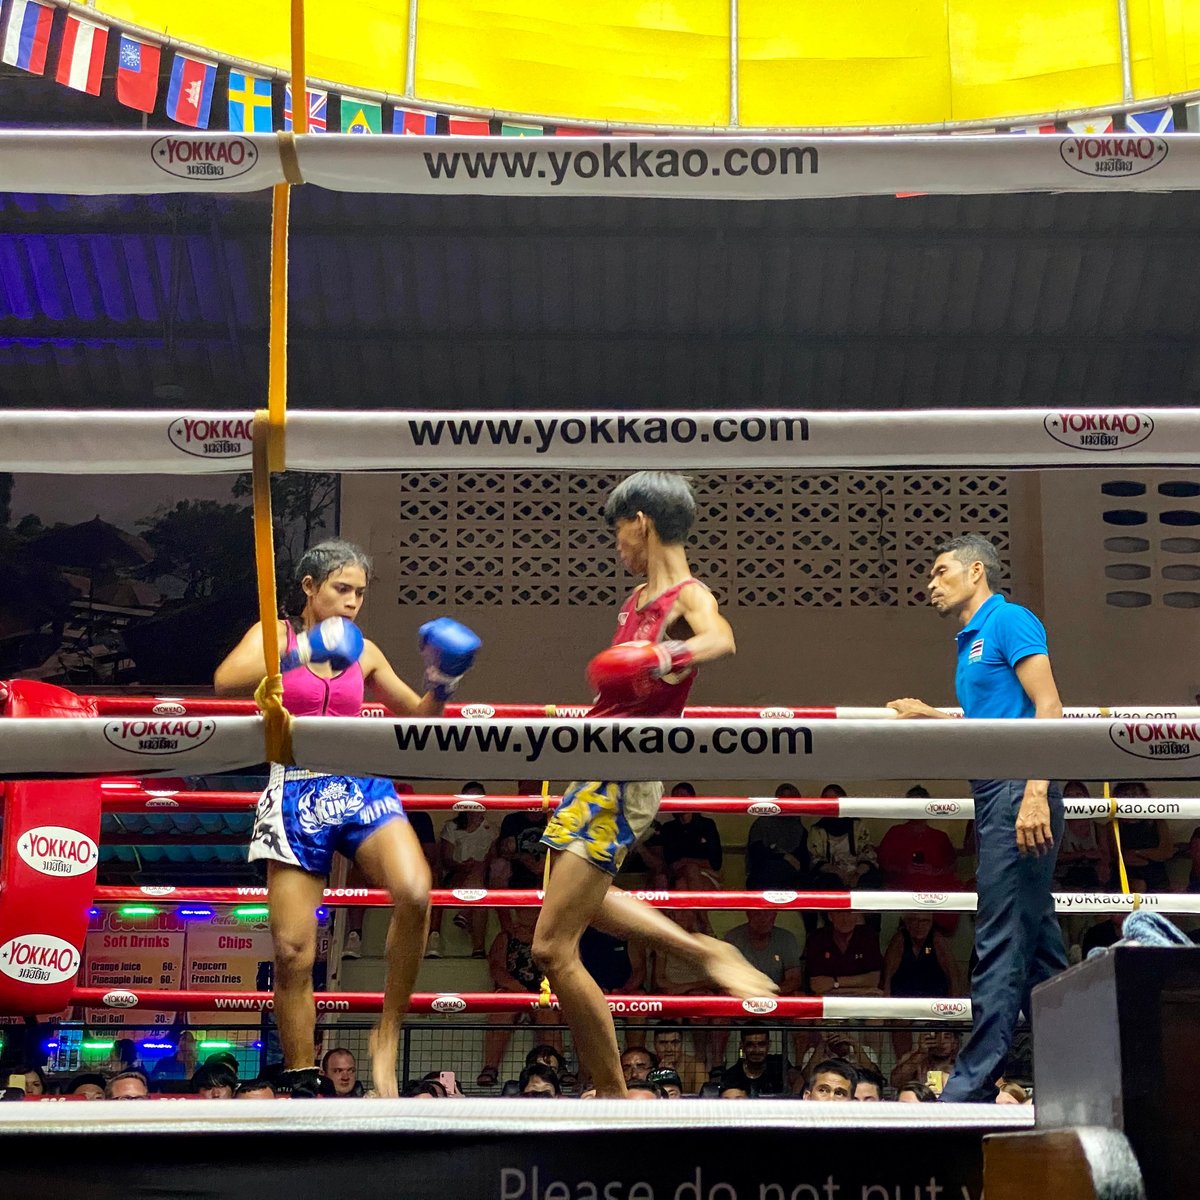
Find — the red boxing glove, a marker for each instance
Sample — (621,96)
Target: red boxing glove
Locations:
(630,668)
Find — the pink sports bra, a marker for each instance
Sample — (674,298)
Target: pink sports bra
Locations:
(308,695)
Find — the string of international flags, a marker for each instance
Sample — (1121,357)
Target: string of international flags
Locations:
(84,46)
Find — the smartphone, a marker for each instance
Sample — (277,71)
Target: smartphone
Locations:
(449,1082)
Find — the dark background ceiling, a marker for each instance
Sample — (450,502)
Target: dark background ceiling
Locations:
(458,302)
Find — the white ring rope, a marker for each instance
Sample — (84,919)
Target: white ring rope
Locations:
(33,748)
(741,168)
(193,443)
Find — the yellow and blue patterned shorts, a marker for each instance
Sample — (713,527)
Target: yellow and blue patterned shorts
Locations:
(601,822)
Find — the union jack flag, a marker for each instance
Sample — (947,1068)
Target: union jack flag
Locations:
(318,107)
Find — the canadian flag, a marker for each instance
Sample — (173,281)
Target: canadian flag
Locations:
(81,56)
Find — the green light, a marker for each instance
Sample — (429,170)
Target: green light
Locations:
(252,910)
(97,1045)
(138,910)
(216,1045)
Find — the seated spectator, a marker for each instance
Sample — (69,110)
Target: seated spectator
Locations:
(668,1079)
(843,957)
(422,1089)
(832,1079)
(915,1092)
(915,857)
(777,855)
(616,964)
(918,961)
(223,1059)
(538,1080)
(435,1080)
(214,1083)
(1105,931)
(637,1062)
(1084,862)
(667,1044)
(691,848)
(1146,845)
(546,1055)
(35,1080)
(839,1044)
(673,976)
(510,961)
(936,1051)
(340,1066)
(464,852)
(127,1085)
(89,1085)
(733,1093)
(643,1089)
(182,1061)
(869,1086)
(254,1089)
(775,952)
(759,1072)
(843,856)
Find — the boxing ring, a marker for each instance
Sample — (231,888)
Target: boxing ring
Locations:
(68,759)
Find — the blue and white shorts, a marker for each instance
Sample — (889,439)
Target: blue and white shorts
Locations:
(302,818)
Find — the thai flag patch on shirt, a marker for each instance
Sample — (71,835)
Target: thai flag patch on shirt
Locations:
(975,654)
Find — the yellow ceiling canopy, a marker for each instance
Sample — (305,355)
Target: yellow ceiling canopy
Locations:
(799,64)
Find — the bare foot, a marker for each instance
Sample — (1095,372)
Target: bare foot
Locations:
(725,966)
(384,1048)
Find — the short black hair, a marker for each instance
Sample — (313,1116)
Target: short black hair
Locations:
(539,1051)
(78,1081)
(214,1075)
(666,498)
(833,1066)
(422,1087)
(254,1085)
(870,1075)
(974,547)
(539,1071)
(645,1085)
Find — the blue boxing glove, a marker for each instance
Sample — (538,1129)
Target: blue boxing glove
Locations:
(336,641)
(448,649)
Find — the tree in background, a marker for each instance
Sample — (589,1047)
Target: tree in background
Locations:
(300,501)
(206,545)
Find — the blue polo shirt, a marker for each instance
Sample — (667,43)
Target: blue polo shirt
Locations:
(995,640)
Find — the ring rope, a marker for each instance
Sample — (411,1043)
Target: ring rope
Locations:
(708,901)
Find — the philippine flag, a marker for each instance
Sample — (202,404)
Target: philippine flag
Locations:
(27,35)
(137,73)
(81,55)
(189,99)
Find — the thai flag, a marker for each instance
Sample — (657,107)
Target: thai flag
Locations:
(137,73)
(27,35)
(81,55)
(318,108)
(189,99)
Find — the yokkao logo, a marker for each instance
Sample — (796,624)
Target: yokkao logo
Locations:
(211,437)
(760,1005)
(950,1008)
(170,708)
(776,714)
(1157,739)
(1113,156)
(478,712)
(141,735)
(1099,430)
(764,808)
(779,897)
(38,958)
(448,1004)
(468,895)
(119,998)
(468,806)
(55,850)
(157,891)
(204,157)
(162,802)
(943,808)
(929,899)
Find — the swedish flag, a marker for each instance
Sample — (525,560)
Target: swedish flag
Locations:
(249,103)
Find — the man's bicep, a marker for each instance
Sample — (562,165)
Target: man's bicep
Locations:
(1037,678)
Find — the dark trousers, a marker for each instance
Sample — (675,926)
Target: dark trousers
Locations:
(1018,941)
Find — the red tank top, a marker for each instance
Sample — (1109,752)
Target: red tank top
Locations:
(306,694)
(665,698)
